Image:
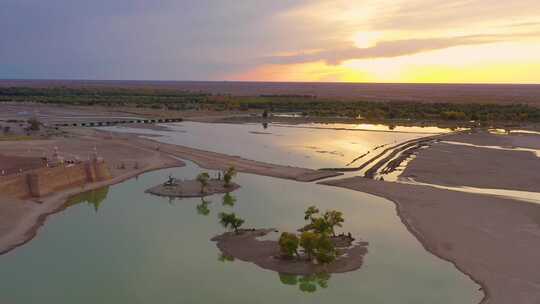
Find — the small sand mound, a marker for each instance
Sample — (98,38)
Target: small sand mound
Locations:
(191,188)
(246,247)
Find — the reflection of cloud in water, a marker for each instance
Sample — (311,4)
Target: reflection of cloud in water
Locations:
(296,146)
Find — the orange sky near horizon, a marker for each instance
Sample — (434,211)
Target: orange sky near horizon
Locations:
(419,43)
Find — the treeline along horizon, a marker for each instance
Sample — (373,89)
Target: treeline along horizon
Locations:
(173,99)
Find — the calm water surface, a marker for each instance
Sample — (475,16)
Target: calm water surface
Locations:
(120,245)
(306,145)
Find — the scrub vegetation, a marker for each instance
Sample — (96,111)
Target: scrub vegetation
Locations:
(180,100)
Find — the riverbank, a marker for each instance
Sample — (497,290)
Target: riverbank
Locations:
(127,156)
(495,240)
(20,219)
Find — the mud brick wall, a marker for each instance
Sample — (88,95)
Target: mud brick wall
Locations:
(45,181)
(14,186)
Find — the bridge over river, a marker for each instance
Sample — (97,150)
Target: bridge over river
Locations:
(101,123)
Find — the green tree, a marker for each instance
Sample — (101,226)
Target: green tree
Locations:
(230,220)
(334,219)
(311,210)
(203,178)
(320,225)
(325,252)
(288,244)
(308,241)
(228,175)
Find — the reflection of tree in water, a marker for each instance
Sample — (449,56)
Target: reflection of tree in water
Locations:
(93,197)
(225,258)
(306,283)
(229,199)
(202,208)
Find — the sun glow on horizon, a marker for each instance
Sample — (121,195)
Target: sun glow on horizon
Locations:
(515,62)
(364,40)
(407,41)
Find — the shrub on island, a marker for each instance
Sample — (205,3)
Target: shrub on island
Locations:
(230,220)
(203,178)
(228,175)
(316,239)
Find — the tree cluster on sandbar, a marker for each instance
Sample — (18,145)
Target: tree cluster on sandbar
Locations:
(317,240)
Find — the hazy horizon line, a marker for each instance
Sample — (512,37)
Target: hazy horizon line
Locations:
(265,81)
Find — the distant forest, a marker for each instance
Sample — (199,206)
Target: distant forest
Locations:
(308,105)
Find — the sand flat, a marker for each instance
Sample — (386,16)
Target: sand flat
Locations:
(496,241)
(481,167)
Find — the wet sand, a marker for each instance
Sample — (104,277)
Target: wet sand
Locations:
(218,161)
(495,241)
(484,138)
(482,167)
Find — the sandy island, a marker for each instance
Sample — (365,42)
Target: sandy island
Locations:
(192,188)
(265,254)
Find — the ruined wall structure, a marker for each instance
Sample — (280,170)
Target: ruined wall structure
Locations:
(45,181)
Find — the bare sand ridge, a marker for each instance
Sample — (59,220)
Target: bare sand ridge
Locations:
(457,165)
(496,241)
(218,161)
(522,140)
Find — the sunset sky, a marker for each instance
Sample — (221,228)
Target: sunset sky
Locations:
(481,41)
